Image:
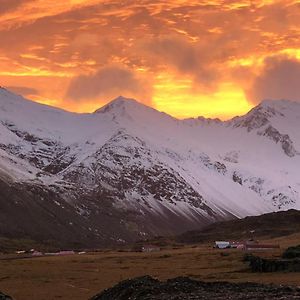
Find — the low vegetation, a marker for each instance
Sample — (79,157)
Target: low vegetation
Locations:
(259,264)
(292,252)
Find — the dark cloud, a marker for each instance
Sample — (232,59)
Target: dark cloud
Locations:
(22,90)
(9,5)
(280,79)
(184,57)
(175,51)
(108,82)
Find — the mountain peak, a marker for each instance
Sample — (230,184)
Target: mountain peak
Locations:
(117,104)
(260,115)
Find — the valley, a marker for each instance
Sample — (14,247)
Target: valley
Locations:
(82,276)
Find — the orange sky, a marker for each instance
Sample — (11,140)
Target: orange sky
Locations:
(188,58)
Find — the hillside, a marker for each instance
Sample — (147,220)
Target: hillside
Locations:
(272,225)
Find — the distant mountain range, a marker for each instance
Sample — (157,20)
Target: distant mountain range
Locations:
(127,171)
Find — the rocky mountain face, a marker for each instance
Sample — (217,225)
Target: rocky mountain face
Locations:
(128,172)
(260,119)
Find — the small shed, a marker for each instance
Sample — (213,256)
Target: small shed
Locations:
(222,245)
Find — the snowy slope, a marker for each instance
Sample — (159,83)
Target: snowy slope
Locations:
(147,172)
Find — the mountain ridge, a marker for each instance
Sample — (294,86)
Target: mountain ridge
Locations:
(144,172)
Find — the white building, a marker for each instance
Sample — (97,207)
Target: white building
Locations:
(222,244)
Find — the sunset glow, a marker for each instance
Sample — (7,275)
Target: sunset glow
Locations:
(187,58)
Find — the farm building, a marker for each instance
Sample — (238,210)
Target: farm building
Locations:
(260,247)
(65,252)
(36,253)
(222,245)
(250,245)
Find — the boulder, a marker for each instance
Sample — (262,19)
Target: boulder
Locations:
(5,297)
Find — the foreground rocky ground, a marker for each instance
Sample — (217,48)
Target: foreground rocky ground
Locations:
(148,288)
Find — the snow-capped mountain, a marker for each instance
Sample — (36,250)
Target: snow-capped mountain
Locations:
(127,171)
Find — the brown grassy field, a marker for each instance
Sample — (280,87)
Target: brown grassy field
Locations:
(82,276)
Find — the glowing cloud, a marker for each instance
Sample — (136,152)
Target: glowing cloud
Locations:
(188,58)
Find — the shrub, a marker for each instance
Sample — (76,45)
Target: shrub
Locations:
(292,252)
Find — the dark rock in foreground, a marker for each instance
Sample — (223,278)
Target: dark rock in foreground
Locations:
(258,264)
(147,288)
(5,297)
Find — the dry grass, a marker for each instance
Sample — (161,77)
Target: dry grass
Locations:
(81,276)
